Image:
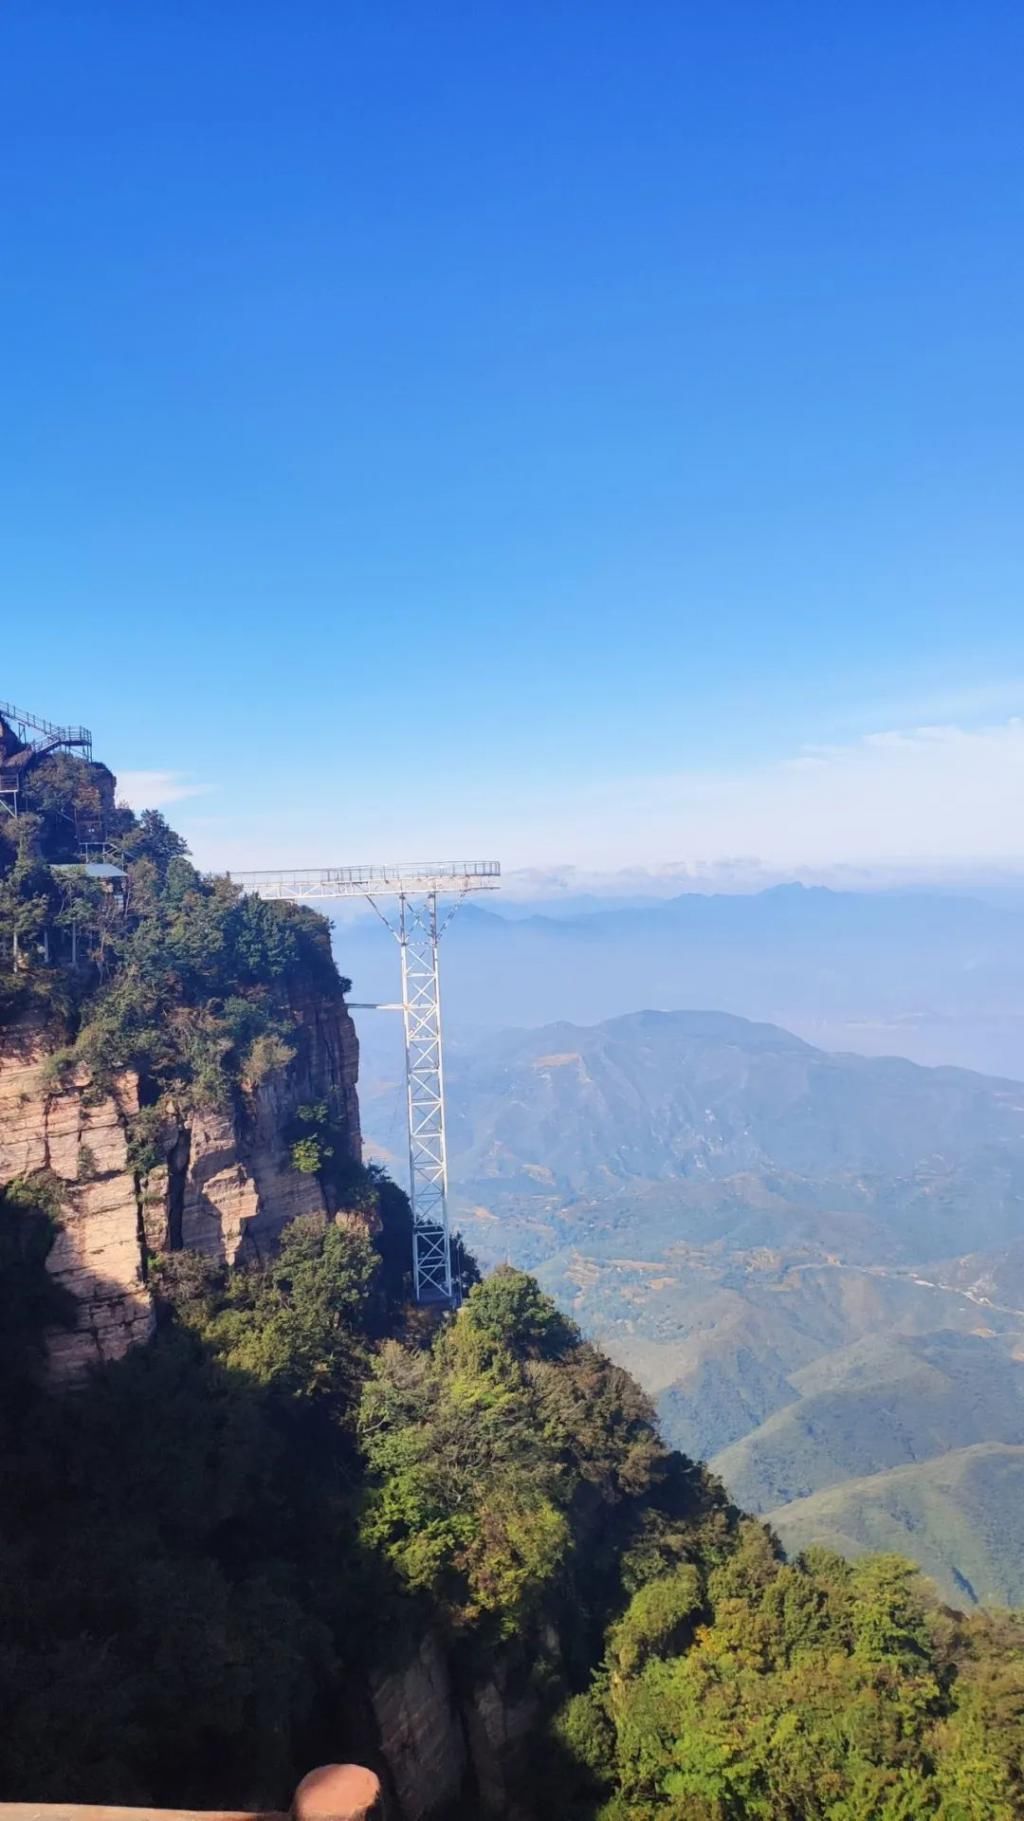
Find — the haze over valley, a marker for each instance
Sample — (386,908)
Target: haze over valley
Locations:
(935,978)
(812,1261)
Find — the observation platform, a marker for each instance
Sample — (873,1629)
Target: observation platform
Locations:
(410,879)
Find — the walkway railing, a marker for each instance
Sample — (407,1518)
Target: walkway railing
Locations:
(335,1792)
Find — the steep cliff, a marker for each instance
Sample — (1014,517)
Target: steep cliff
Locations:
(327,1522)
(445,1734)
(74,1143)
(229,1185)
(164,1042)
(225,1185)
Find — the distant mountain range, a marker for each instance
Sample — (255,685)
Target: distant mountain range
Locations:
(814,1261)
(934,978)
(664,1106)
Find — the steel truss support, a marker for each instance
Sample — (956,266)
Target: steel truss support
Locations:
(417,929)
(418,935)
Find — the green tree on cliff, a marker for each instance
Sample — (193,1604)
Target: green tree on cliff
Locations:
(813,1691)
(513,1466)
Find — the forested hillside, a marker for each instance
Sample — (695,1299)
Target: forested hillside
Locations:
(241,1523)
(810,1260)
(225,1552)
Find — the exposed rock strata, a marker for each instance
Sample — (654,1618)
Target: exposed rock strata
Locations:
(227,1185)
(80,1141)
(421,1731)
(230,1185)
(439,1739)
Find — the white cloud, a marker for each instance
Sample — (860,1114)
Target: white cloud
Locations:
(940,803)
(155,789)
(930,799)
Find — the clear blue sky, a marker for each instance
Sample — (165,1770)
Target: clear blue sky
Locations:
(587,406)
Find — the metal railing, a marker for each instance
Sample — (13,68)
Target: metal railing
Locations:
(23,722)
(348,881)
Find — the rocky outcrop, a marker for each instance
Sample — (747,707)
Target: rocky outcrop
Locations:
(502,1717)
(440,1739)
(76,1142)
(421,1731)
(230,1185)
(227,1184)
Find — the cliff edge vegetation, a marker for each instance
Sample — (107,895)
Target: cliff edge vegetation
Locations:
(138,960)
(177,1063)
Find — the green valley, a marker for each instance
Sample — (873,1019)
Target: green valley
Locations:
(961,1516)
(808,1259)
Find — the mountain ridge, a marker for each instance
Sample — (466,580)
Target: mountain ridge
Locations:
(960,1515)
(799,1252)
(935,977)
(662,1095)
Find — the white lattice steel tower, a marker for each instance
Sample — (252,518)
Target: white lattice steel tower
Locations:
(417,929)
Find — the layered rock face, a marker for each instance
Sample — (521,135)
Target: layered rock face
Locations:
(421,1730)
(440,1734)
(227,1186)
(80,1141)
(230,1186)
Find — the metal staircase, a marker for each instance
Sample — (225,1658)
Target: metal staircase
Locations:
(35,738)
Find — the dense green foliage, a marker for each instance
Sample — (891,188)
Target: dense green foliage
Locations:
(279,1494)
(179,976)
(181,1578)
(813,1691)
(239,1520)
(515,1472)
